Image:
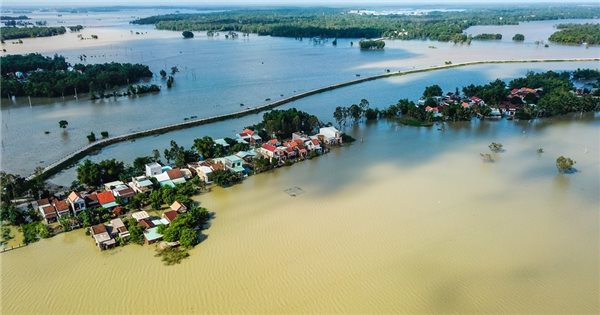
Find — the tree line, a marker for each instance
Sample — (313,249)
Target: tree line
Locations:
(337,23)
(26,32)
(577,34)
(59,78)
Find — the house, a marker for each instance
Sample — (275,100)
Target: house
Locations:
(112,185)
(146,224)
(119,228)
(221,142)
(234,164)
(140,215)
(91,200)
(152,236)
(124,192)
(62,208)
(330,135)
(178,207)
(205,169)
(141,184)
(107,200)
(247,156)
(101,236)
(170,215)
(299,136)
(47,211)
(153,169)
(267,150)
(77,202)
(274,142)
(313,145)
(171,177)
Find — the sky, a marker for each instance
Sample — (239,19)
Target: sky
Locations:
(49,3)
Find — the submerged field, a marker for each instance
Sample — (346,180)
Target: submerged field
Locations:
(408,221)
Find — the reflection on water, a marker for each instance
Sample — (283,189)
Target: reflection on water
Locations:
(408,221)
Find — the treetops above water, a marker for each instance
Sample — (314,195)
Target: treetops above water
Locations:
(577,34)
(53,76)
(338,23)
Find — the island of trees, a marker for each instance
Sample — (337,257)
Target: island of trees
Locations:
(37,75)
(371,44)
(26,32)
(337,23)
(518,38)
(487,36)
(577,34)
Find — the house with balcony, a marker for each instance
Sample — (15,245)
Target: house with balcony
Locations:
(77,202)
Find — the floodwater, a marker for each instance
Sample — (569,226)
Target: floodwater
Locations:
(408,221)
(217,75)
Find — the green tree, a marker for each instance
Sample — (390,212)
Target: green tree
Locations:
(518,38)
(63,124)
(163,73)
(205,146)
(187,34)
(564,164)
(432,90)
(188,237)
(88,173)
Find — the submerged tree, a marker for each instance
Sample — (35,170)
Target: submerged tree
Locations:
(63,124)
(564,164)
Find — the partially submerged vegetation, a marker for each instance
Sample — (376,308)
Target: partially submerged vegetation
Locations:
(37,75)
(27,32)
(487,36)
(577,34)
(338,23)
(565,164)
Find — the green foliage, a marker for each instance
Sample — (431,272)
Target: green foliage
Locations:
(371,114)
(432,90)
(91,137)
(370,44)
(577,34)
(496,147)
(226,178)
(487,36)
(55,80)
(172,256)
(564,164)
(337,23)
(26,32)
(586,74)
(518,38)
(187,34)
(63,124)
(492,93)
(282,123)
(75,28)
(92,174)
(32,232)
(163,73)
(104,134)
(136,233)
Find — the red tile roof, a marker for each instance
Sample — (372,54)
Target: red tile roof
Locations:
(105,197)
(61,205)
(269,147)
(174,173)
(315,142)
(248,131)
(170,215)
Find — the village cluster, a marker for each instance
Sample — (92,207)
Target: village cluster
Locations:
(114,195)
(515,101)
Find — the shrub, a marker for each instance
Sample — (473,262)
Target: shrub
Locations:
(564,164)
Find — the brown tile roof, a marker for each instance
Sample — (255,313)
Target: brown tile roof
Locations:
(146,223)
(174,173)
(170,215)
(49,210)
(61,205)
(43,202)
(126,193)
(98,228)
